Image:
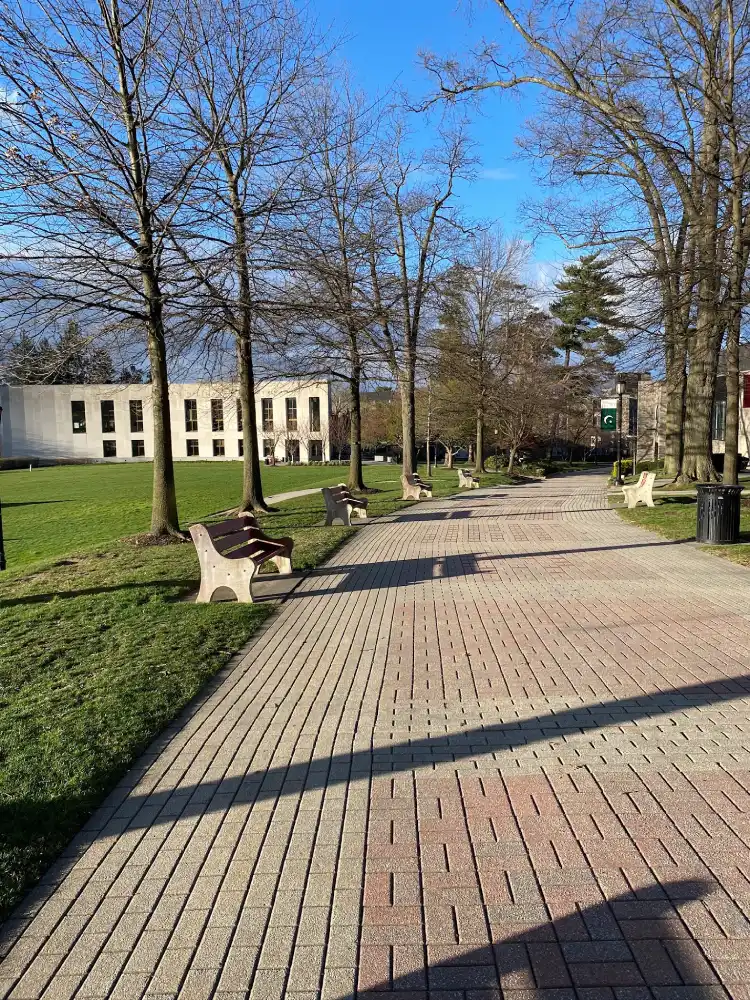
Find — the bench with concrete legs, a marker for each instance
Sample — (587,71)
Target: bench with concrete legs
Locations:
(340,505)
(231,554)
(414,487)
(641,491)
(466,480)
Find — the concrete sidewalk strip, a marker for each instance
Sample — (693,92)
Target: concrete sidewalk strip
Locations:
(499,746)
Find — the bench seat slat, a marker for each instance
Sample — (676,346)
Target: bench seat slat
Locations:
(256,550)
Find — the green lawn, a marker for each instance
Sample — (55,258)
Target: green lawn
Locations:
(674,518)
(98,651)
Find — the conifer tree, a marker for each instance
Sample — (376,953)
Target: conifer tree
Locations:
(588,311)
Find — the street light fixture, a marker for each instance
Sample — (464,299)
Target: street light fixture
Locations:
(620,389)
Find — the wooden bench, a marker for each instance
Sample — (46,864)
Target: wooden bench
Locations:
(340,504)
(640,492)
(465,479)
(414,487)
(231,553)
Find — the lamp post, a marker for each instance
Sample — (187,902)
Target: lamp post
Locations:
(2,541)
(620,390)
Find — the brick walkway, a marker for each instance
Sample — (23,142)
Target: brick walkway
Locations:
(501,741)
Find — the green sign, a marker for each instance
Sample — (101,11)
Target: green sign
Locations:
(609,419)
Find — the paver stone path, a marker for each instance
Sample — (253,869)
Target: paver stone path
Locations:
(500,742)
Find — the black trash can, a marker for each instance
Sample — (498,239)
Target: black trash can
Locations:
(718,514)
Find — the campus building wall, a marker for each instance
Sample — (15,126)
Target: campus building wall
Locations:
(37,422)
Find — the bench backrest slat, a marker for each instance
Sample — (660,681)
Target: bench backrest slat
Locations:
(226,542)
(232,525)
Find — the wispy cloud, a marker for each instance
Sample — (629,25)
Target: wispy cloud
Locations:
(497,174)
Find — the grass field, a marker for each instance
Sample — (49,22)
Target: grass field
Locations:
(52,511)
(98,651)
(674,518)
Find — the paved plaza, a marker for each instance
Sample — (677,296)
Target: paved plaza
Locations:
(500,742)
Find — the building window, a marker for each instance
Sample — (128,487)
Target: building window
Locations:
(138,449)
(136,416)
(239,414)
(108,416)
(314,413)
(315,449)
(291,414)
(292,450)
(192,447)
(217,415)
(78,412)
(191,415)
(218,447)
(746,390)
(719,421)
(632,416)
(240,447)
(266,406)
(109,449)
(268,448)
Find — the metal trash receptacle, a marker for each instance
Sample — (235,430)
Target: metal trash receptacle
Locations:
(718,517)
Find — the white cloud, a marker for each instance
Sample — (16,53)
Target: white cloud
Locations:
(497,174)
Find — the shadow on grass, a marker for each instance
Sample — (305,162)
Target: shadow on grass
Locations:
(32,503)
(186,586)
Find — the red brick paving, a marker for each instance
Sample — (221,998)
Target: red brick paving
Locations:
(497,748)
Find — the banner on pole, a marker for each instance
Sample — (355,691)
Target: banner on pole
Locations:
(608,420)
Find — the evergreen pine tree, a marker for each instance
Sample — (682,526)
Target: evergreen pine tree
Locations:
(588,310)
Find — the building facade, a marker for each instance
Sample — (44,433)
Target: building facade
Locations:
(114,423)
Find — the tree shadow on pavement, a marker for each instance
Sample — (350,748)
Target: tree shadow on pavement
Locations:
(637,944)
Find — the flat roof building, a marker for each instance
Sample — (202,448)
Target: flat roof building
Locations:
(114,423)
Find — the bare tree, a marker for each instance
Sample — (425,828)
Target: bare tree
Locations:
(414,235)
(332,271)
(665,80)
(245,69)
(482,302)
(93,174)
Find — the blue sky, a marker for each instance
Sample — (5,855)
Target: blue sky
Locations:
(382,39)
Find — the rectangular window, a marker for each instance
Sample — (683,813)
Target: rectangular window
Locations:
(110,449)
(314,413)
(108,416)
(78,413)
(316,451)
(266,406)
(746,390)
(719,422)
(291,414)
(632,416)
(138,449)
(191,415)
(267,448)
(292,450)
(218,447)
(136,416)
(239,414)
(217,415)
(240,447)
(192,447)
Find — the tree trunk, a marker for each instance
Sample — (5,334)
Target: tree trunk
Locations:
(732,430)
(355,480)
(448,460)
(252,486)
(164,519)
(674,419)
(511,459)
(479,457)
(697,465)
(408,415)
